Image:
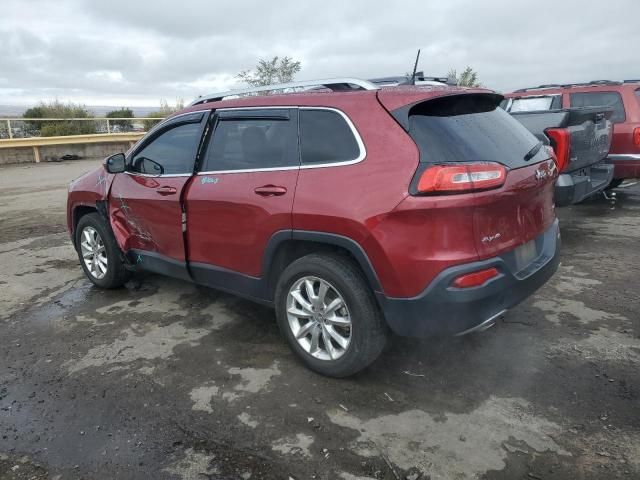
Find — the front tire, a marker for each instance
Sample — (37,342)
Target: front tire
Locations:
(99,253)
(329,316)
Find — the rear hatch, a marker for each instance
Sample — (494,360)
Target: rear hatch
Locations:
(470,129)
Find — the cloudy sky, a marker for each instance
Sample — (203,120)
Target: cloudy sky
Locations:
(134,52)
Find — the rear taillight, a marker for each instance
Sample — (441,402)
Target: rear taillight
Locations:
(460,178)
(561,141)
(475,279)
(636,136)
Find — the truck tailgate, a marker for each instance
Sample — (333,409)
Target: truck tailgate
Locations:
(590,132)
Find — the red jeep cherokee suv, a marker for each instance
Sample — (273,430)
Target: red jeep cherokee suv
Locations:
(623,98)
(353,210)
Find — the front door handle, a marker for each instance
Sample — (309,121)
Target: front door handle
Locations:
(166,190)
(270,191)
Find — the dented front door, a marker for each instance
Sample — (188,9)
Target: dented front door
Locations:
(145,207)
(146,215)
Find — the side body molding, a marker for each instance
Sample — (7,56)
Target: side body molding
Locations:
(254,288)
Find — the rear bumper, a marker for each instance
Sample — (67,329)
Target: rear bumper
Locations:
(576,186)
(443,309)
(626,165)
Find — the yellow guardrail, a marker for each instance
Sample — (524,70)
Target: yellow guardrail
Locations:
(36,142)
(107,120)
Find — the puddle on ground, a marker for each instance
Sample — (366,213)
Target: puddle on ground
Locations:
(453,445)
(139,342)
(194,465)
(252,381)
(556,309)
(294,445)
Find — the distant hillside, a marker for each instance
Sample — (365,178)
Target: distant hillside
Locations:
(98,110)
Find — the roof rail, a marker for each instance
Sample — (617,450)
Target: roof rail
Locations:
(592,83)
(636,80)
(335,84)
(603,82)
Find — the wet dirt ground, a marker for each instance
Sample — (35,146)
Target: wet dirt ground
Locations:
(163,379)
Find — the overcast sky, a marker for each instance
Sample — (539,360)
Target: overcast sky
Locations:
(128,52)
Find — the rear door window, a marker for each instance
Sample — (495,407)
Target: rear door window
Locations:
(326,137)
(611,100)
(253,140)
(471,128)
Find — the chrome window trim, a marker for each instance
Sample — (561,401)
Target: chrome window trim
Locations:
(249,170)
(136,174)
(354,131)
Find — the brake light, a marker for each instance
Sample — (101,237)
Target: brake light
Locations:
(561,140)
(475,279)
(636,136)
(461,178)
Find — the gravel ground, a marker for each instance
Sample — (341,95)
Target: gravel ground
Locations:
(163,379)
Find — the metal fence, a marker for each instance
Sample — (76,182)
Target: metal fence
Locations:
(11,128)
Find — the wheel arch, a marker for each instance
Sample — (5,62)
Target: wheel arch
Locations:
(81,210)
(286,247)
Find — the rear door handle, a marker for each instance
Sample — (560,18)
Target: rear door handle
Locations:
(166,190)
(270,191)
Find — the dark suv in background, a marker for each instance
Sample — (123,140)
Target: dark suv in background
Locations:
(354,210)
(622,98)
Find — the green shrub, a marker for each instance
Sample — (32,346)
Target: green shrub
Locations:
(123,125)
(58,109)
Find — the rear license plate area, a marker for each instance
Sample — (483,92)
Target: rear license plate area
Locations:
(525,254)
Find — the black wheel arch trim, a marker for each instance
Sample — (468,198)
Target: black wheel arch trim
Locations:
(353,247)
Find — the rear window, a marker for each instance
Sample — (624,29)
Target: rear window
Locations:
(611,100)
(470,128)
(533,104)
(326,137)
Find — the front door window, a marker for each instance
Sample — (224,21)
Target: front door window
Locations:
(171,153)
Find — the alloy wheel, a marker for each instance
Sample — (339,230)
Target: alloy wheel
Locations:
(319,318)
(93,252)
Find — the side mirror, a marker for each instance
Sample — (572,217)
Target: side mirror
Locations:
(116,163)
(148,166)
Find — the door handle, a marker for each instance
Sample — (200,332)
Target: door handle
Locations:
(270,191)
(166,190)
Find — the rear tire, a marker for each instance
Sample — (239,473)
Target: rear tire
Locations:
(341,312)
(100,256)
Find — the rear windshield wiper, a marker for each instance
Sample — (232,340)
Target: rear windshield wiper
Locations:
(531,153)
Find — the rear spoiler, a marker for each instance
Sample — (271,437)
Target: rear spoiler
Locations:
(464,101)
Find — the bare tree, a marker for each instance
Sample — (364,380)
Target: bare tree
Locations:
(468,77)
(268,72)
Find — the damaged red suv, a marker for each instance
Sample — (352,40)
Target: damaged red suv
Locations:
(355,211)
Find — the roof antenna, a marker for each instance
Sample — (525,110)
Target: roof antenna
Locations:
(415,67)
